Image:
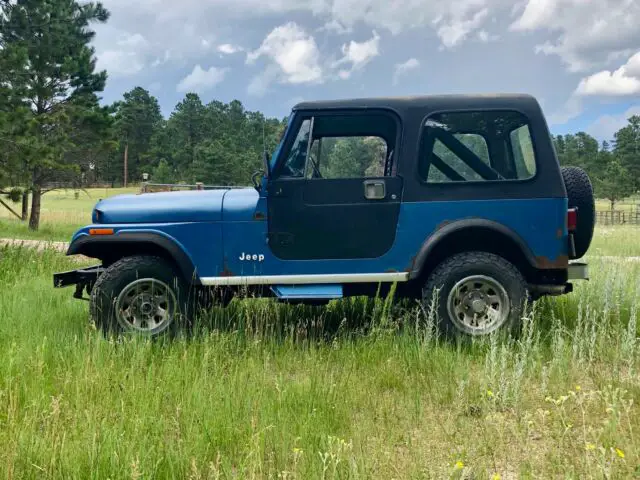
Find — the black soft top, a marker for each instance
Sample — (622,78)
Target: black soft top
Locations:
(455,102)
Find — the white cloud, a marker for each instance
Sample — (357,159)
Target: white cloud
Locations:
(200,80)
(586,32)
(334,26)
(453,20)
(404,68)
(133,41)
(486,37)
(456,30)
(162,60)
(606,126)
(358,54)
(125,57)
(259,84)
(229,49)
(119,64)
(571,109)
(608,83)
(294,52)
(625,81)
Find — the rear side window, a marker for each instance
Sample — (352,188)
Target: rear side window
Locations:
(476,147)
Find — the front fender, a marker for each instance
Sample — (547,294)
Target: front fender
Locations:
(126,243)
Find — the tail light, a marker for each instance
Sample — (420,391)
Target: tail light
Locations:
(572,219)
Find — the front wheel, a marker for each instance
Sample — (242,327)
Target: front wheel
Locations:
(140,295)
(476,293)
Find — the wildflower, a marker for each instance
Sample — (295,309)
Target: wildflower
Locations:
(496,476)
(590,447)
(489,394)
(578,388)
(297,451)
(459,465)
(620,453)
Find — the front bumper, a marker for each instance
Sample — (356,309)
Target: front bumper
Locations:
(83,279)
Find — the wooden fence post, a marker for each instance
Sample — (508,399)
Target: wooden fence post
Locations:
(25,205)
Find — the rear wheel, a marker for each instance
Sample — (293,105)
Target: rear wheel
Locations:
(476,293)
(140,295)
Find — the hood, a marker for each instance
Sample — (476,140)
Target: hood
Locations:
(163,207)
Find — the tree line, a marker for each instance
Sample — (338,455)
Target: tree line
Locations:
(55,131)
(614,167)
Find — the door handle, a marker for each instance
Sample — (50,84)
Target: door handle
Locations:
(375,190)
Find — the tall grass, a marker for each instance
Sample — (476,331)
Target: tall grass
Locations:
(360,389)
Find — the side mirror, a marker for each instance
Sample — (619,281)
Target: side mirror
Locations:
(256,180)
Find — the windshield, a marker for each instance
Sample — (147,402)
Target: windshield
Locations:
(274,157)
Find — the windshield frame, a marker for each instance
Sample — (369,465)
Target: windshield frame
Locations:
(283,138)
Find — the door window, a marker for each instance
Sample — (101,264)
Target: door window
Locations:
(347,157)
(342,147)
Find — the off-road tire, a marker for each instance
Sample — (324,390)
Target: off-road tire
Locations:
(445,276)
(580,193)
(121,274)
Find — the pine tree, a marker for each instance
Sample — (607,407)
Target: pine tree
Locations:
(50,66)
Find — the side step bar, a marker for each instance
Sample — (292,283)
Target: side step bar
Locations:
(308,292)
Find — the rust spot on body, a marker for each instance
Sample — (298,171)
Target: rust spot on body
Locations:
(225,269)
(560,233)
(443,224)
(412,263)
(545,263)
(259,216)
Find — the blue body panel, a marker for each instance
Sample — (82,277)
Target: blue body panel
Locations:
(163,207)
(219,230)
(536,221)
(201,242)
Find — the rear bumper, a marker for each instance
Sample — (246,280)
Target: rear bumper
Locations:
(578,271)
(575,271)
(83,279)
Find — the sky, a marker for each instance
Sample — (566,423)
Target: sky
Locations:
(579,58)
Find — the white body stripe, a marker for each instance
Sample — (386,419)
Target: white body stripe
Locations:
(307,279)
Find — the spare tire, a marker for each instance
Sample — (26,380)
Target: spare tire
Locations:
(580,193)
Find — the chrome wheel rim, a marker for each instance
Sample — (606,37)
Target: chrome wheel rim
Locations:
(146,306)
(478,305)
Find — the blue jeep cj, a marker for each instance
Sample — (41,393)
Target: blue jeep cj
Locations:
(455,198)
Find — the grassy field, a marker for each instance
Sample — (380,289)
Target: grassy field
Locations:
(361,389)
(62,213)
(355,390)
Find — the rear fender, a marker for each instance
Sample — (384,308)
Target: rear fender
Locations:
(440,245)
